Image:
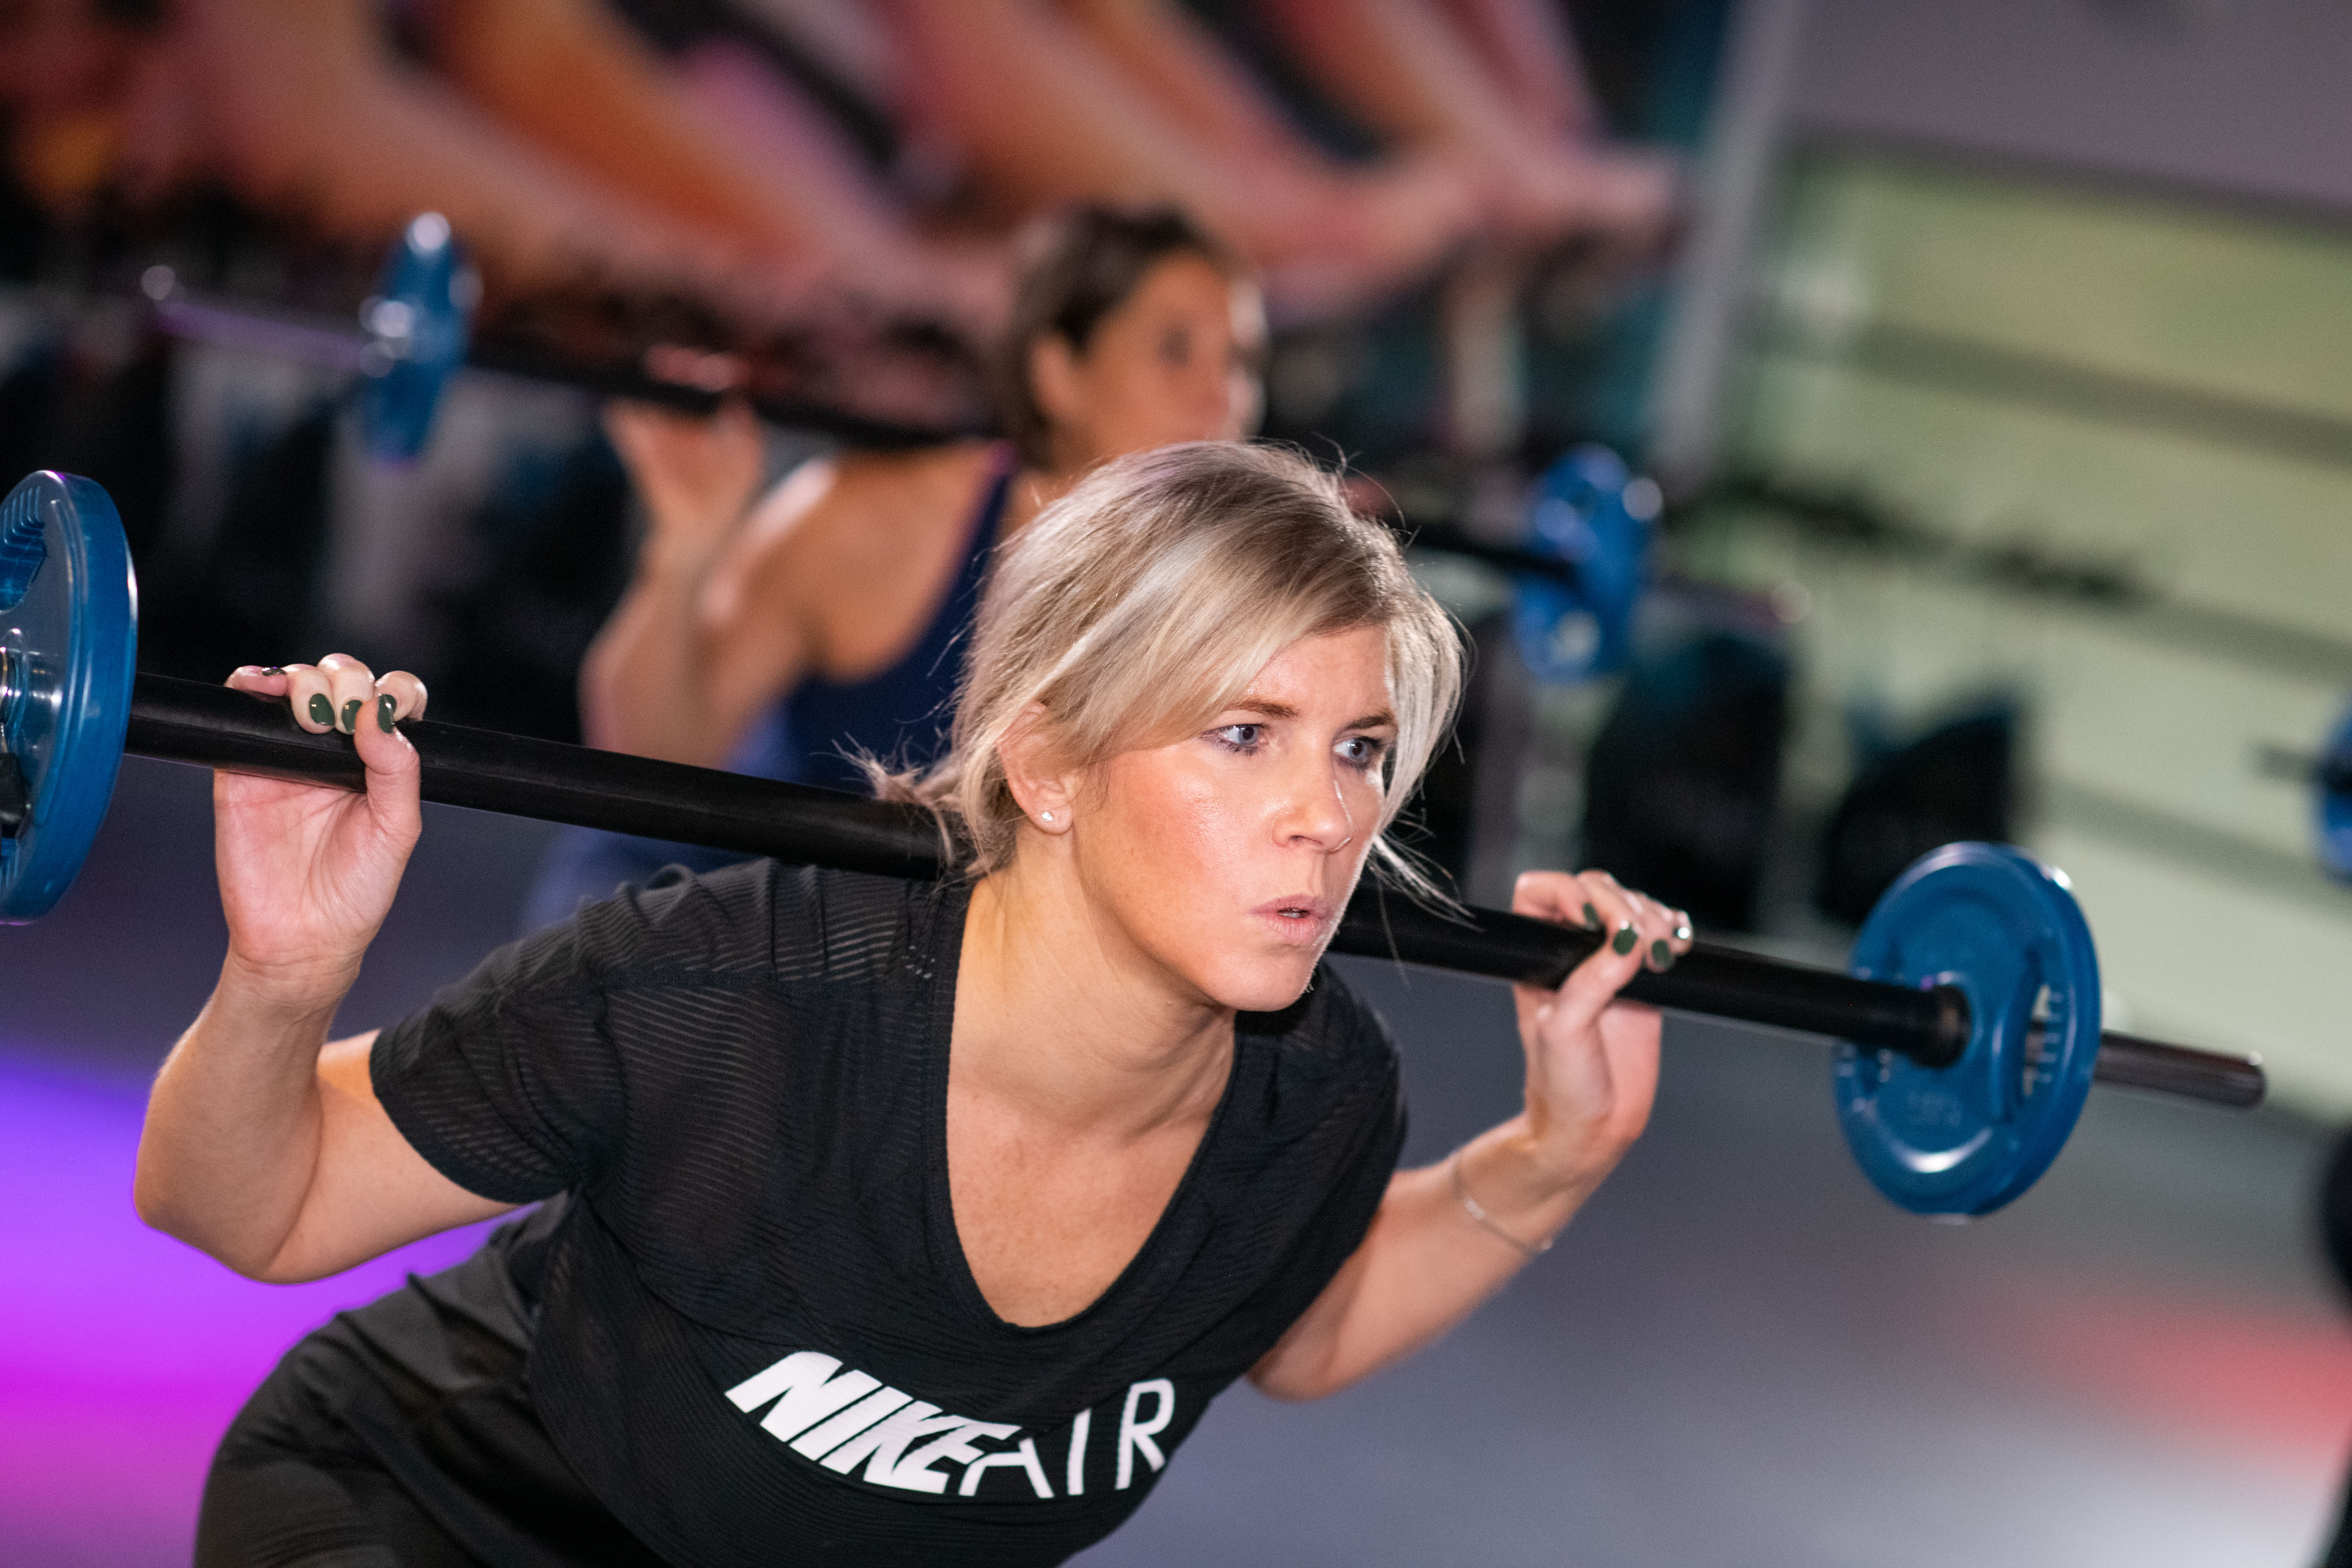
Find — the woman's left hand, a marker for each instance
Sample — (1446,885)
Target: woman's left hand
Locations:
(1447,1236)
(1593,1060)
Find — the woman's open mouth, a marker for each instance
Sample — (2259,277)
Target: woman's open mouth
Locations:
(1300,918)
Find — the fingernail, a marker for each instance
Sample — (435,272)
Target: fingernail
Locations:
(383,710)
(321,711)
(1622,942)
(1591,917)
(273,669)
(1661,957)
(351,716)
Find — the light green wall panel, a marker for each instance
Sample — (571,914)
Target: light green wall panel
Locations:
(2224,302)
(2237,530)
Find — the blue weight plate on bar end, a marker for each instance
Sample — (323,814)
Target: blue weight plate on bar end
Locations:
(69,647)
(1589,511)
(1965,1140)
(416,324)
(2335,800)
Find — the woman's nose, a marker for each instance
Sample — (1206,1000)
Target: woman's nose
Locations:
(1315,810)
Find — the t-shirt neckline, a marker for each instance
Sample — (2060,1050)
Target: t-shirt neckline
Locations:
(939,1032)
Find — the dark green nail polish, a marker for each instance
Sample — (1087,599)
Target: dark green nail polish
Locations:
(383,710)
(1661,957)
(351,716)
(1622,942)
(1591,917)
(321,711)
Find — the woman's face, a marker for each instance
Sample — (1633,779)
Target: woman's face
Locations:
(1178,361)
(1225,858)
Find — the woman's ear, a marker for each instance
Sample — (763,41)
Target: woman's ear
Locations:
(1041,788)
(1055,383)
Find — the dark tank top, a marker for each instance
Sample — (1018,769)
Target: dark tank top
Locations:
(900,715)
(812,735)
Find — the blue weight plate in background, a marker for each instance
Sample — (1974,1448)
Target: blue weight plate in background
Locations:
(1965,1140)
(69,647)
(2334,804)
(1589,511)
(417,325)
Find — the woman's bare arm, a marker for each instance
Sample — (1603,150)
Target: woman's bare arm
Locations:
(316,1178)
(709,630)
(298,106)
(264,1146)
(570,75)
(1427,1260)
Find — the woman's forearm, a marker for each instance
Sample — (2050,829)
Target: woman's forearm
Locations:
(1425,1264)
(303,107)
(232,1136)
(646,682)
(535,64)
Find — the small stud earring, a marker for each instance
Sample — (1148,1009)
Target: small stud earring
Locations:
(1045,816)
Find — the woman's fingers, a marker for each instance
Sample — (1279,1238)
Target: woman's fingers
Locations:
(261,679)
(407,693)
(338,693)
(1638,932)
(310,694)
(350,688)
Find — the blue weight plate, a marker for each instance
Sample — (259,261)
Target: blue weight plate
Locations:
(68,647)
(2335,805)
(416,324)
(1965,1140)
(1587,510)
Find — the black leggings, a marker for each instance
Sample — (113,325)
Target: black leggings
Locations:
(403,1435)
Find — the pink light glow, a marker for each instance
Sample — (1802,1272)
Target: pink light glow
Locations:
(123,1355)
(2239,1375)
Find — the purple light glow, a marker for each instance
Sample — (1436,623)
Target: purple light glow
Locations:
(123,1355)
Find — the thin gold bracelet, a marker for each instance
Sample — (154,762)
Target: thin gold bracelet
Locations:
(1471,1205)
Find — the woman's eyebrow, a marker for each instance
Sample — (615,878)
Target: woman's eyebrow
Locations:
(1266,706)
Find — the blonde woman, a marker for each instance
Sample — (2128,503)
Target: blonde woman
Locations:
(879,1222)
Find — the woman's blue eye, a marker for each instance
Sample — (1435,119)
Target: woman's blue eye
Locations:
(1362,751)
(1240,737)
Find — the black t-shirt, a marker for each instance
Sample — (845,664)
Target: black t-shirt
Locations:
(756,1337)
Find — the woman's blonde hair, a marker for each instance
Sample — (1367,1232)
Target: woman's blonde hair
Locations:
(1145,601)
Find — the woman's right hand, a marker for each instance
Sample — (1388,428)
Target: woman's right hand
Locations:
(698,477)
(308,872)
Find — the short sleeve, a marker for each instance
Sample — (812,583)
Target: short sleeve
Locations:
(1346,1159)
(513,1082)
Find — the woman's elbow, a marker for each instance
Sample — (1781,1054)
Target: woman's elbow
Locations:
(153,1200)
(1295,1380)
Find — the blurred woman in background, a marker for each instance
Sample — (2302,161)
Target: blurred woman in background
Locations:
(791,637)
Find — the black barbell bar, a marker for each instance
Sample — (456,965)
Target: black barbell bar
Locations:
(216,727)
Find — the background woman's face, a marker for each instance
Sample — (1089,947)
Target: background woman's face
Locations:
(1227,857)
(1178,361)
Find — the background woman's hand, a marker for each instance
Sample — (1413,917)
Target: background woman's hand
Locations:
(306,872)
(1592,1060)
(698,476)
